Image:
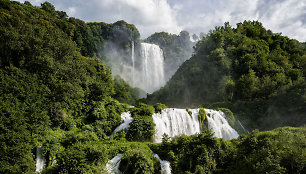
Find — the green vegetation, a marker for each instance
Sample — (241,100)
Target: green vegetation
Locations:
(159,107)
(247,64)
(124,93)
(137,161)
(51,95)
(189,112)
(142,127)
(202,115)
(278,151)
(55,97)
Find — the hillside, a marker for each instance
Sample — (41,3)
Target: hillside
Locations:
(258,74)
(48,88)
(60,106)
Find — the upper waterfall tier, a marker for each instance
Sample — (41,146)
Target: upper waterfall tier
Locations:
(152,70)
(144,69)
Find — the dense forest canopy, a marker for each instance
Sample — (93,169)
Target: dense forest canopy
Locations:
(57,93)
(243,67)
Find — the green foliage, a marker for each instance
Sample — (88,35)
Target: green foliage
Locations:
(105,115)
(278,151)
(251,62)
(81,158)
(52,96)
(142,128)
(189,112)
(124,93)
(202,117)
(137,161)
(159,107)
(46,84)
(247,64)
(48,7)
(142,110)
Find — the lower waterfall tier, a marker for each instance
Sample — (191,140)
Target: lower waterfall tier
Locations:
(175,122)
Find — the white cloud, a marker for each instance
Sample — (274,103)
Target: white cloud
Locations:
(149,16)
(286,16)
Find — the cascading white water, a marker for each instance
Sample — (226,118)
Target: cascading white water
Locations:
(112,167)
(164,165)
(143,68)
(133,62)
(218,124)
(40,160)
(152,71)
(175,122)
(126,119)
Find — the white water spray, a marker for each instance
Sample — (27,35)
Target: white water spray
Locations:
(218,124)
(112,167)
(175,122)
(40,160)
(164,165)
(152,72)
(133,62)
(242,127)
(144,69)
(126,119)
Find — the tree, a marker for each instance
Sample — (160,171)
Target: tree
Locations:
(47,6)
(247,85)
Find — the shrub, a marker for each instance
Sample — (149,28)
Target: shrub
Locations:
(136,161)
(202,115)
(141,129)
(159,107)
(142,110)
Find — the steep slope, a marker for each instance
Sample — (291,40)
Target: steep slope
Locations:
(247,64)
(48,89)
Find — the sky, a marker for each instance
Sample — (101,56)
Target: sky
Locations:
(195,16)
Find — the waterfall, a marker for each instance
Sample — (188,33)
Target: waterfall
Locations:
(133,62)
(152,61)
(112,167)
(175,122)
(126,119)
(146,70)
(242,126)
(218,124)
(164,165)
(40,161)
(143,67)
